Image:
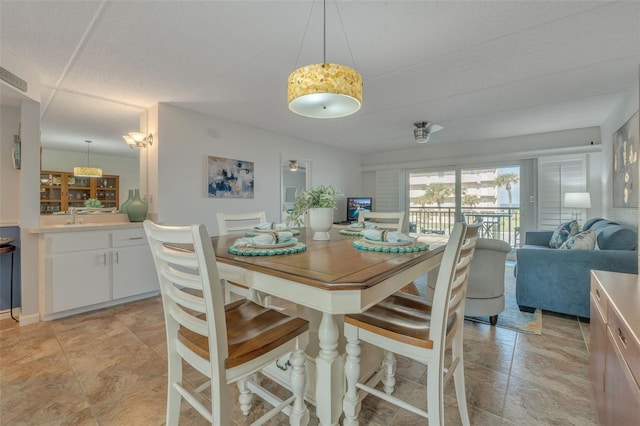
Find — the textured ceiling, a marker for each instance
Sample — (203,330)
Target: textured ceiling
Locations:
(481,69)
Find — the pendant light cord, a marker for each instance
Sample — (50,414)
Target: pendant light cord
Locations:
(345,36)
(324,31)
(324,34)
(306,28)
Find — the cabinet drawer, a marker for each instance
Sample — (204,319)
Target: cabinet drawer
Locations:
(599,297)
(626,342)
(76,241)
(128,237)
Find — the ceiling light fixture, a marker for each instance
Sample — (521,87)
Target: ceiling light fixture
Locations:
(324,90)
(423,130)
(138,140)
(293,165)
(87,171)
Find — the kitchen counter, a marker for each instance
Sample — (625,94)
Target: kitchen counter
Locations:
(83,227)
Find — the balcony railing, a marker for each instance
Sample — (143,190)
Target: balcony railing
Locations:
(499,223)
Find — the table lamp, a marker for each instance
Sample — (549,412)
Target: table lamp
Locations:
(577,201)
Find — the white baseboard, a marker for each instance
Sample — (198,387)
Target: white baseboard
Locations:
(29,319)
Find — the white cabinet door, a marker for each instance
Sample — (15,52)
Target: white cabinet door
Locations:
(133,271)
(78,279)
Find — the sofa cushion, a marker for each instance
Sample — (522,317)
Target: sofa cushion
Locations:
(616,237)
(562,233)
(585,240)
(589,223)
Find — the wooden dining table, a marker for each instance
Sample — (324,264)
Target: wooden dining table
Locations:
(324,282)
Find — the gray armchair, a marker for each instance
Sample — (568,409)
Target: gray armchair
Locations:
(485,293)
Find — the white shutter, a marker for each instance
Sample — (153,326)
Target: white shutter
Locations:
(389,190)
(557,175)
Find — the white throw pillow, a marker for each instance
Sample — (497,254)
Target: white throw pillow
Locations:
(585,240)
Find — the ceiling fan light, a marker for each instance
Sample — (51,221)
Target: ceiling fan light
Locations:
(324,91)
(421,135)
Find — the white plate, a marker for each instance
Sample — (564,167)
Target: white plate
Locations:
(291,242)
(389,243)
(6,240)
(268,231)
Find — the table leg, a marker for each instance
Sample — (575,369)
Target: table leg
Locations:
(329,373)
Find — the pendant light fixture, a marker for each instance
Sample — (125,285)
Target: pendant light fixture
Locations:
(324,90)
(87,171)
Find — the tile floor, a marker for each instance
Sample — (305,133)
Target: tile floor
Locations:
(109,368)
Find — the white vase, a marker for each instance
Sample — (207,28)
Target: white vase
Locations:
(321,221)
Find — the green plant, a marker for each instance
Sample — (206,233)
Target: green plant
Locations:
(319,197)
(93,203)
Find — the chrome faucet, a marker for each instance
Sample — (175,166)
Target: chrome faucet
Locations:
(73,213)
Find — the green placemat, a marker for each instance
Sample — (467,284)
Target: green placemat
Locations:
(253,251)
(258,232)
(372,246)
(350,233)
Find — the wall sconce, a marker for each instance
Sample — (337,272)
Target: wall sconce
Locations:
(293,165)
(138,140)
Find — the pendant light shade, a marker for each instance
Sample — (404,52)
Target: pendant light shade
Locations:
(87,171)
(324,91)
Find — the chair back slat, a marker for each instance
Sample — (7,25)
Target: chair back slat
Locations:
(181,277)
(229,223)
(186,300)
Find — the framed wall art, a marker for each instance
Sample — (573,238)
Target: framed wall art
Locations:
(625,164)
(229,178)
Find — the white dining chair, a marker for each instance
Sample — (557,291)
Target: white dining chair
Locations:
(239,223)
(225,343)
(231,223)
(393,221)
(405,324)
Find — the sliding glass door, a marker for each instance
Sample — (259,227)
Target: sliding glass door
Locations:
(488,195)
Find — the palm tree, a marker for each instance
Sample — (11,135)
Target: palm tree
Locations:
(470,200)
(506,180)
(435,193)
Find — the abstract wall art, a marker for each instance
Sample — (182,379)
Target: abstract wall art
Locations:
(625,164)
(229,178)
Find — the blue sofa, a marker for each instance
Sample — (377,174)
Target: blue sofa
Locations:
(559,280)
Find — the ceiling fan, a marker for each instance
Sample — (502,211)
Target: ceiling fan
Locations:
(424,129)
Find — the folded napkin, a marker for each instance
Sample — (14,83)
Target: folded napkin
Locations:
(363,225)
(268,226)
(388,236)
(265,239)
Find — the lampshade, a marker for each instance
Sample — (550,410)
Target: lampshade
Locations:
(577,200)
(138,140)
(293,165)
(324,91)
(87,171)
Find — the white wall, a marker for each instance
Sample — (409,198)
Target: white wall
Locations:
(127,168)
(9,176)
(183,143)
(623,111)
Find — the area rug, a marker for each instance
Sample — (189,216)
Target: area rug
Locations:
(511,318)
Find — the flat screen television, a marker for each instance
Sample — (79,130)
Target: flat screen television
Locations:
(357,204)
